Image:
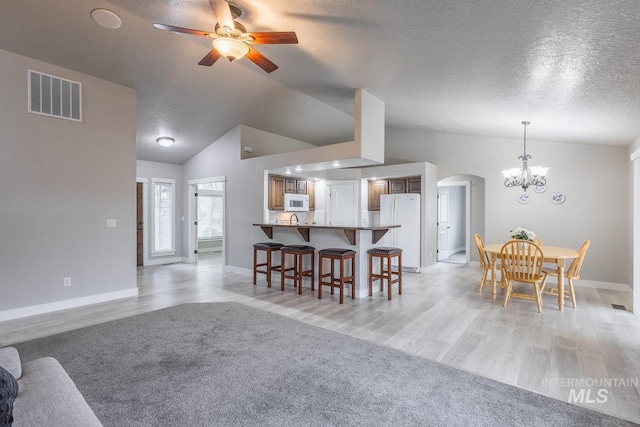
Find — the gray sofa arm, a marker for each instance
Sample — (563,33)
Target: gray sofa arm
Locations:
(10,360)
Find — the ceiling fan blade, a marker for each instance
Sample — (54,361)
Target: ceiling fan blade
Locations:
(181,30)
(222,13)
(275,37)
(261,61)
(210,58)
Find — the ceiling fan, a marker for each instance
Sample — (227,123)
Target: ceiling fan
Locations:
(231,39)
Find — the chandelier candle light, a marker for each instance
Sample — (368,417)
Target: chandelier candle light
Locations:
(525,176)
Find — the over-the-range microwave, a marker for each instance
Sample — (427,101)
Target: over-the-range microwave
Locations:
(296,202)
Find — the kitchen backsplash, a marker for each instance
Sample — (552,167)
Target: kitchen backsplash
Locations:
(311,217)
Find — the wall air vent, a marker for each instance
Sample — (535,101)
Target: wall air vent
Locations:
(54,96)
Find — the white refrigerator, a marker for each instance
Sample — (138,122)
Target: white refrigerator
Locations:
(403,210)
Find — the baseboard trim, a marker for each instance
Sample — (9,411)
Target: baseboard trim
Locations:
(207,250)
(429,268)
(595,284)
(161,261)
(33,310)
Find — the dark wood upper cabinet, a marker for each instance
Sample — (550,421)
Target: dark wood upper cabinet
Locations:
(397,185)
(295,185)
(376,189)
(414,184)
(279,185)
(290,185)
(276,193)
(301,186)
(311,191)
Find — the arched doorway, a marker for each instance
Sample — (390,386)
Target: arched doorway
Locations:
(461,214)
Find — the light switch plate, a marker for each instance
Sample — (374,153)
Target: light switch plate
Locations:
(111,223)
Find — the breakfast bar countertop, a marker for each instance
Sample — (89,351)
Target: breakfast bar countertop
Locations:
(350,231)
(339,227)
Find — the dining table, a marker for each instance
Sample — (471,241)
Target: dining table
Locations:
(552,254)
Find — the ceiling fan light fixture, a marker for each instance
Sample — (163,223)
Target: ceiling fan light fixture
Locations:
(165,141)
(230,48)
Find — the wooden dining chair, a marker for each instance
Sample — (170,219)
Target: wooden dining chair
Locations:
(522,262)
(572,273)
(485,264)
(538,241)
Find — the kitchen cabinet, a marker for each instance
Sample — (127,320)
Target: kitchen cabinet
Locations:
(276,193)
(397,185)
(377,188)
(295,185)
(311,191)
(412,184)
(301,186)
(279,185)
(290,185)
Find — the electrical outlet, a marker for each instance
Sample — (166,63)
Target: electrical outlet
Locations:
(67,281)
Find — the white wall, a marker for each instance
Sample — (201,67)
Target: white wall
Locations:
(149,170)
(265,143)
(595,180)
(60,181)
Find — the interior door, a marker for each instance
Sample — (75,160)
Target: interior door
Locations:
(342,208)
(443,223)
(140,226)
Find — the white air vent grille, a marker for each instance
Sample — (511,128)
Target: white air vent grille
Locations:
(54,96)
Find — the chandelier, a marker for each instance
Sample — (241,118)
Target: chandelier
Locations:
(525,176)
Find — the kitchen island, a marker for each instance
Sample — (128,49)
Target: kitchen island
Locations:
(358,238)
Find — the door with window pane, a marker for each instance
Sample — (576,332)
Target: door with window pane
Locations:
(210,220)
(140,225)
(163,217)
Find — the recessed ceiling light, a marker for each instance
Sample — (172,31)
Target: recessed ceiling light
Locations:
(106,18)
(298,168)
(336,164)
(165,141)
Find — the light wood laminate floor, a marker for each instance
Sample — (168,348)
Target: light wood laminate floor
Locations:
(440,316)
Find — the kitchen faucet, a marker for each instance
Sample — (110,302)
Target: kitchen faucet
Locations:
(291,219)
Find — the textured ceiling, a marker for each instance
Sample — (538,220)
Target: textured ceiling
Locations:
(475,67)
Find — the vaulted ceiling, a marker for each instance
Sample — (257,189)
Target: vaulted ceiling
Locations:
(477,67)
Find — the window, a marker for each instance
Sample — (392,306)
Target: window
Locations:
(163,216)
(210,210)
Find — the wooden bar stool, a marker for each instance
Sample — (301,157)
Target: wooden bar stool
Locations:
(298,252)
(385,254)
(269,248)
(333,255)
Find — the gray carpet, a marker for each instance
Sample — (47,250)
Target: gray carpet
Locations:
(226,364)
